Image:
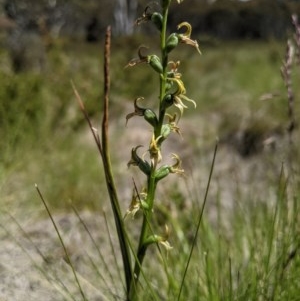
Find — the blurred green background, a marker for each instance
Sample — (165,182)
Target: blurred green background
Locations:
(236,83)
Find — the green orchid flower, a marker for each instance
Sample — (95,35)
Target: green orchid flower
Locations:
(153,60)
(186,36)
(179,96)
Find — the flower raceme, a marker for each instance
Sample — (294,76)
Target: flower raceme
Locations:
(172,94)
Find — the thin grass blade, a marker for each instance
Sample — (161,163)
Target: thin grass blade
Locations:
(61,242)
(199,221)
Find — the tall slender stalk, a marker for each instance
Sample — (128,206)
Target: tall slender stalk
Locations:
(103,148)
(108,169)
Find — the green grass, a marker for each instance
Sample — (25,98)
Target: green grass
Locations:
(248,243)
(248,253)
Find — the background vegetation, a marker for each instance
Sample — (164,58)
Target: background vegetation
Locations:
(226,19)
(248,247)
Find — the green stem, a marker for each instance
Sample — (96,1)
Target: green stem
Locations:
(142,248)
(163,76)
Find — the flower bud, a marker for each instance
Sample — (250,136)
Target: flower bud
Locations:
(135,160)
(167,101)
(165,131)
(144,167)
(144,205)
(162,172)
(162,239)
(171,42)
(150,117)
(169,85)
(154,62)
(157,19)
